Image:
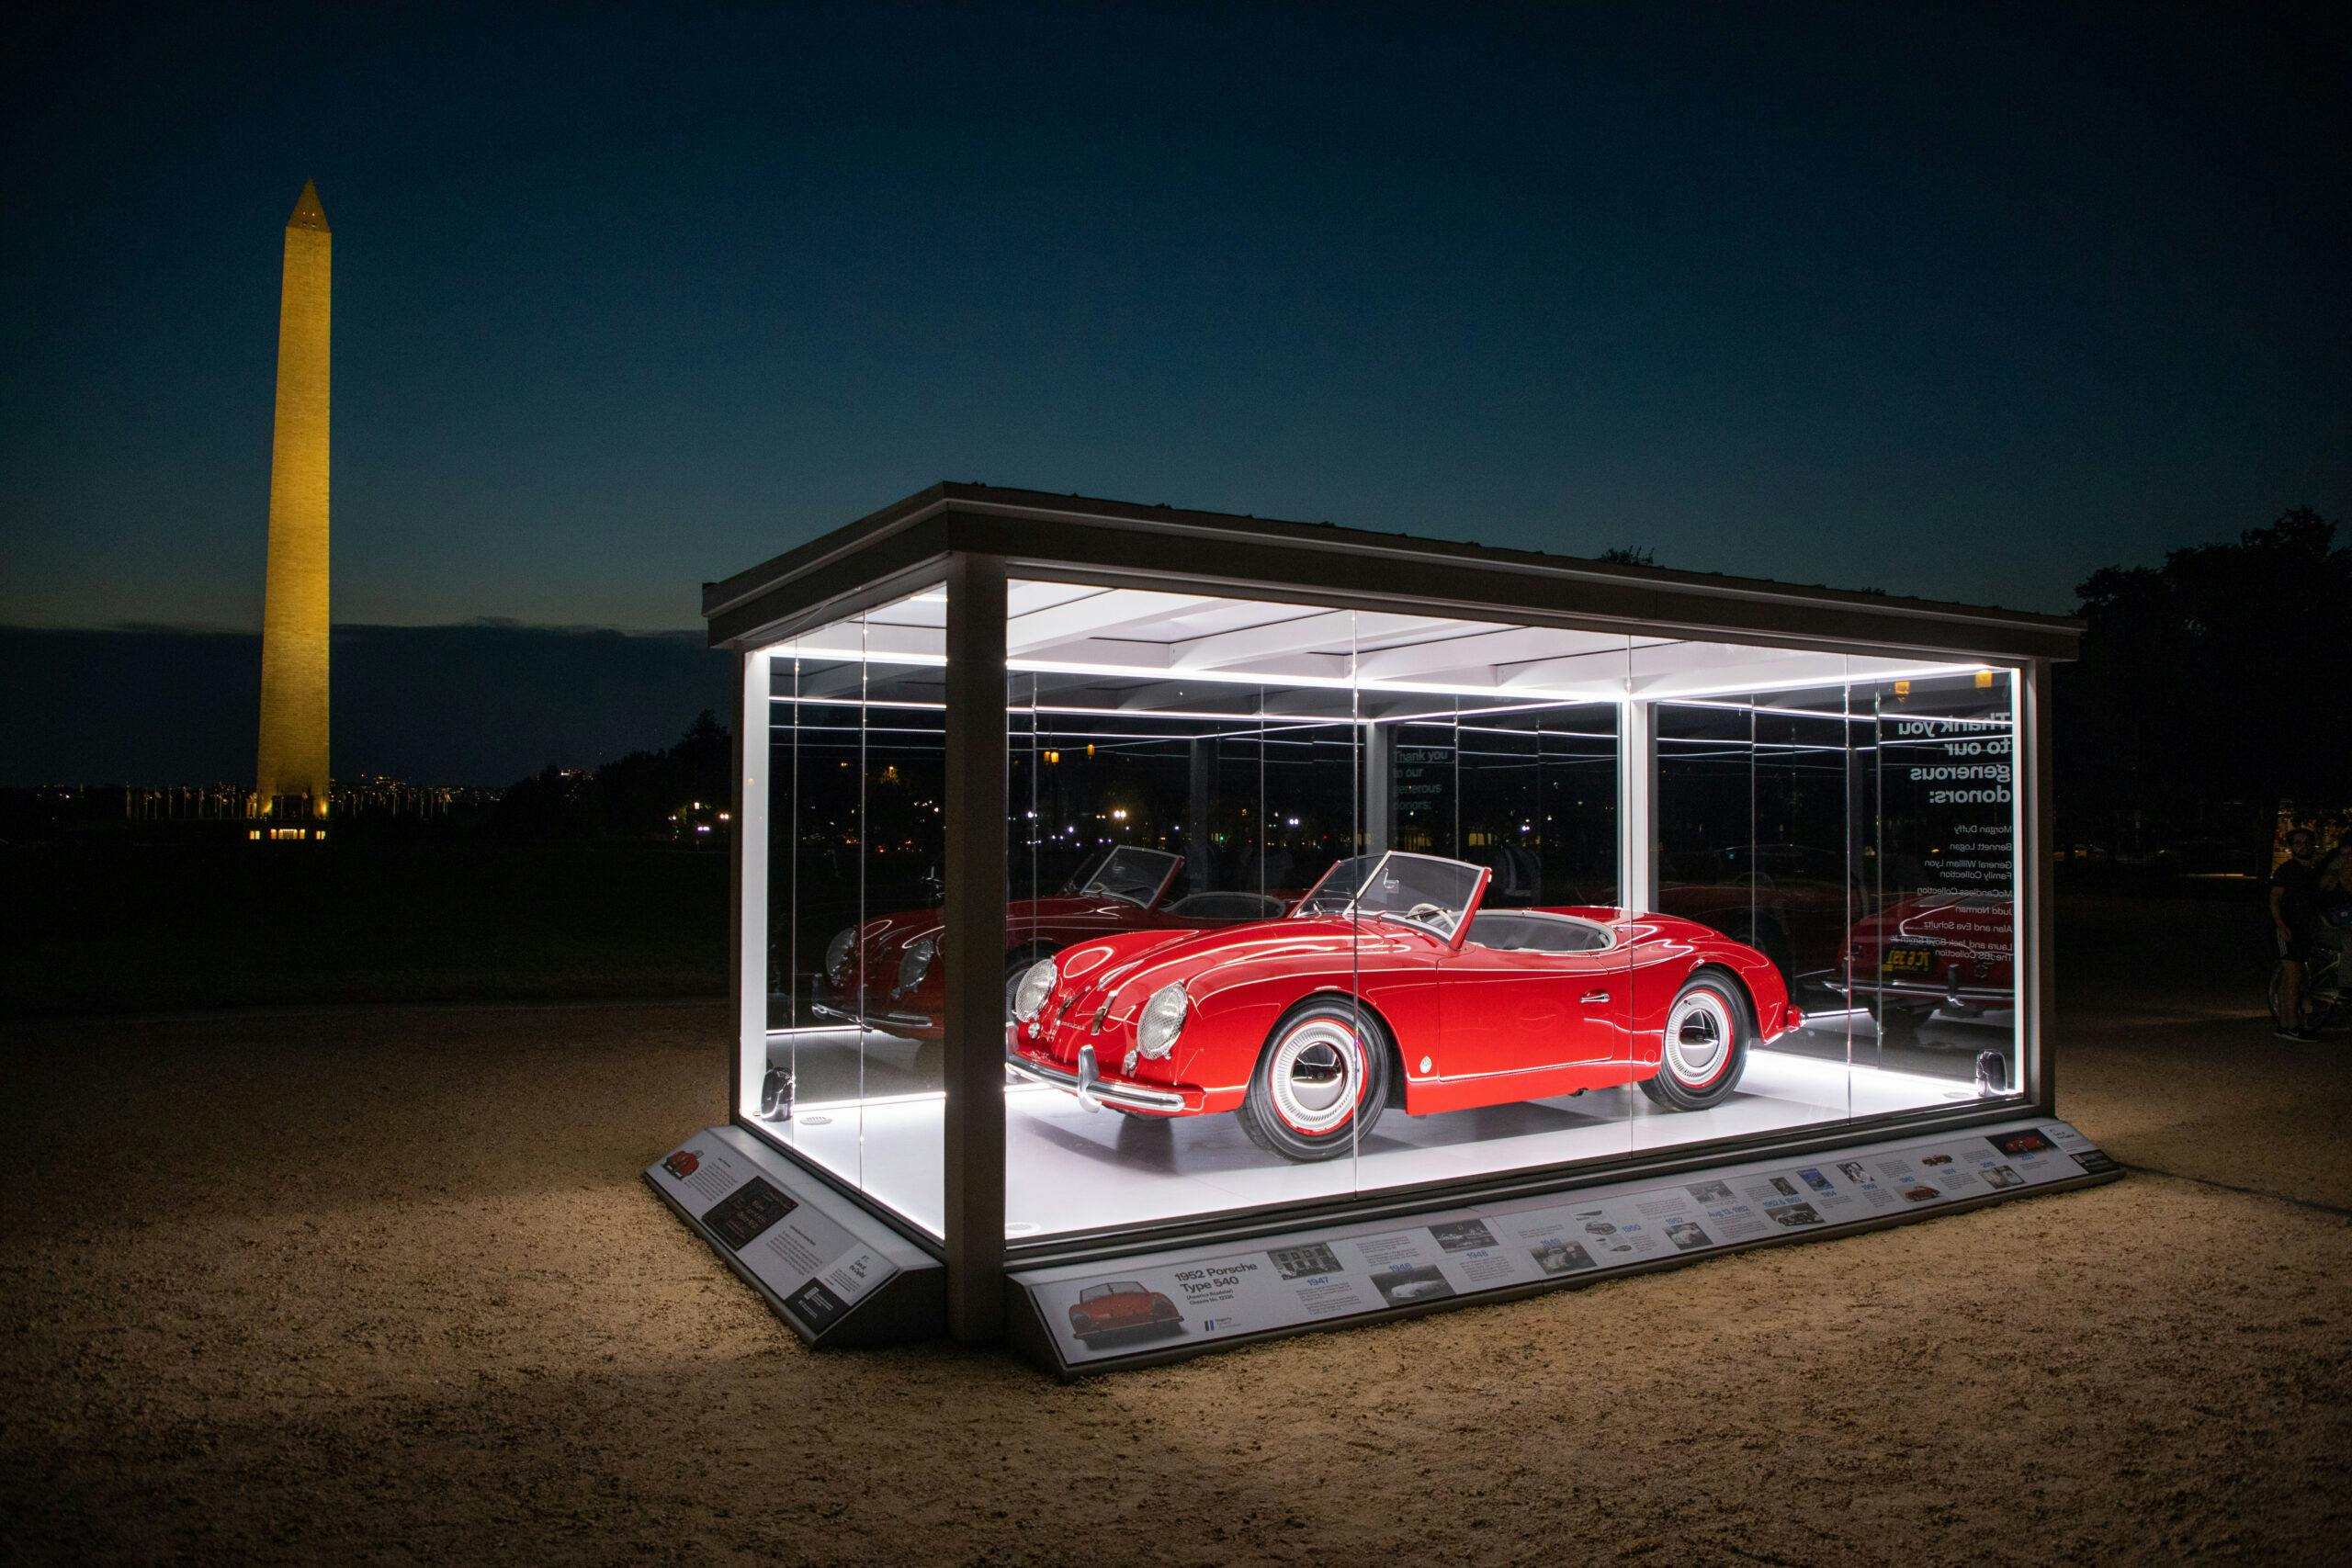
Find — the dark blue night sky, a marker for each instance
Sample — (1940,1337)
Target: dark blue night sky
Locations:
(1962,302)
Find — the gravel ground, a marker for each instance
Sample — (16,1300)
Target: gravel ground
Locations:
(380,1285)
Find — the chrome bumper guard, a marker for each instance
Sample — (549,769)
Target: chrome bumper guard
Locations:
(1088,1086)
(1950,989)
(914,1020)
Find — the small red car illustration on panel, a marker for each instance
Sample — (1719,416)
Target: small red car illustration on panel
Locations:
(1389,984)
(1120,1307)
(887,973)
(682,1164)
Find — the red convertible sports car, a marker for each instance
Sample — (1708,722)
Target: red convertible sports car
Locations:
(892,961)
(1122,1306)
(1390,984)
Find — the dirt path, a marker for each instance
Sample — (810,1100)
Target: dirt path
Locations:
(380,1285)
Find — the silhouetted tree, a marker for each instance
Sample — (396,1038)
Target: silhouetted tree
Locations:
(2210,688)
(1629,555)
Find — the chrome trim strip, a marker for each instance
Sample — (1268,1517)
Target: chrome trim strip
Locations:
(919,1021)
(1130,1095)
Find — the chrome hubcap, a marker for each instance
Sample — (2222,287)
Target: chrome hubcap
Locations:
(1315,1076)
(1698,1037)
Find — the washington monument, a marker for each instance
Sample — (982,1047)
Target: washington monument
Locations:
(291,776)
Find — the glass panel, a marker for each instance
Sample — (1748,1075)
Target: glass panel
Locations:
(1168,816)
(1265,745)
(1934,962)
(857,875)
(1873,861)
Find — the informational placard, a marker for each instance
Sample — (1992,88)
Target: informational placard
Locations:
(814,1267)
(1097,1314)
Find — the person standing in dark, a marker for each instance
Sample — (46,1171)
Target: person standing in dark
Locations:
(2294,911)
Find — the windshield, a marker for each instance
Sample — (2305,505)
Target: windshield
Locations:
(1131,874)
(1421,890)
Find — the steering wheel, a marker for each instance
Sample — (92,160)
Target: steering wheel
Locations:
(1437,915)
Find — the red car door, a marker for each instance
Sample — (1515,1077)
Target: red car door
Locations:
(1529,1003)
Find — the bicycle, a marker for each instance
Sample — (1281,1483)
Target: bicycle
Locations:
(2324,1003)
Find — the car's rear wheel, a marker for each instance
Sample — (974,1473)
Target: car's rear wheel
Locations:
(1321,1082)
(1703,1048)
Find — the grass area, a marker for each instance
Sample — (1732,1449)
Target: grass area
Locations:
(139,927)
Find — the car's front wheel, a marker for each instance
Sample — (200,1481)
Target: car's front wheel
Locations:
(1704,1045)
(1321,1082)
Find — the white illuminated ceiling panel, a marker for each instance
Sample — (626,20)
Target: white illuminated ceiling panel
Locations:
(1193,649)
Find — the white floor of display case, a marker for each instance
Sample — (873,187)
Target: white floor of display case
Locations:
(1069,1169)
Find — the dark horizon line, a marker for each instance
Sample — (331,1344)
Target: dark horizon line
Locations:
(475,622)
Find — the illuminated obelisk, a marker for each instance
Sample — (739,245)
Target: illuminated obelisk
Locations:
(292,772)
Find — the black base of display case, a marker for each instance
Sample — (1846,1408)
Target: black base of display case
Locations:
(832,1270)
(1098,1315)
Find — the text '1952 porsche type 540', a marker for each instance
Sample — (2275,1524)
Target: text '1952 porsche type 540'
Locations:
(1388,982)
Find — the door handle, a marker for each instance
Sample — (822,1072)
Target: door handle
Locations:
(1594,996)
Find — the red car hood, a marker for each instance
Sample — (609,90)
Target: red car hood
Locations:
(1113,976)
(1064,906)
(1156,957)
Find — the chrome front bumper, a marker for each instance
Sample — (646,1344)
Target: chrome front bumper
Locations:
(1087,1084)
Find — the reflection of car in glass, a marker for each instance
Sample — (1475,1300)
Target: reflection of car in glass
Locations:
(1123,1306)
(1391,984)
(1947,950)
(893,960)
(1790,902)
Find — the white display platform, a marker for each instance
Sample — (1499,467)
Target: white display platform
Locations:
(1094,1316)
(1069,1169)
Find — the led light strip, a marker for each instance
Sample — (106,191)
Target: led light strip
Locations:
(1544,696)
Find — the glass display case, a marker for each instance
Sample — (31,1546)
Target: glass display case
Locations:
(1133,874)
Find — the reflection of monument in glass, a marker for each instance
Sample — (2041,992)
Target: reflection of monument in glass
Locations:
(291,777)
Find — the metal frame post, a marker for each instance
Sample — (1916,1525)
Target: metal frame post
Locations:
(1199,842)
(1637,792)
(2035,908)
(974,945)
(1379,788)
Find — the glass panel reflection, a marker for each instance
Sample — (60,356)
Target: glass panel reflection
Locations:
(856,878)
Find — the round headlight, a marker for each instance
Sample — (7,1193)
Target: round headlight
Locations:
(837,954)
(1034,988)
(1163,1016)
(916,962)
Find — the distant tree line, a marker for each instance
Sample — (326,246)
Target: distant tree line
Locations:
(2212,690)
(642,795)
